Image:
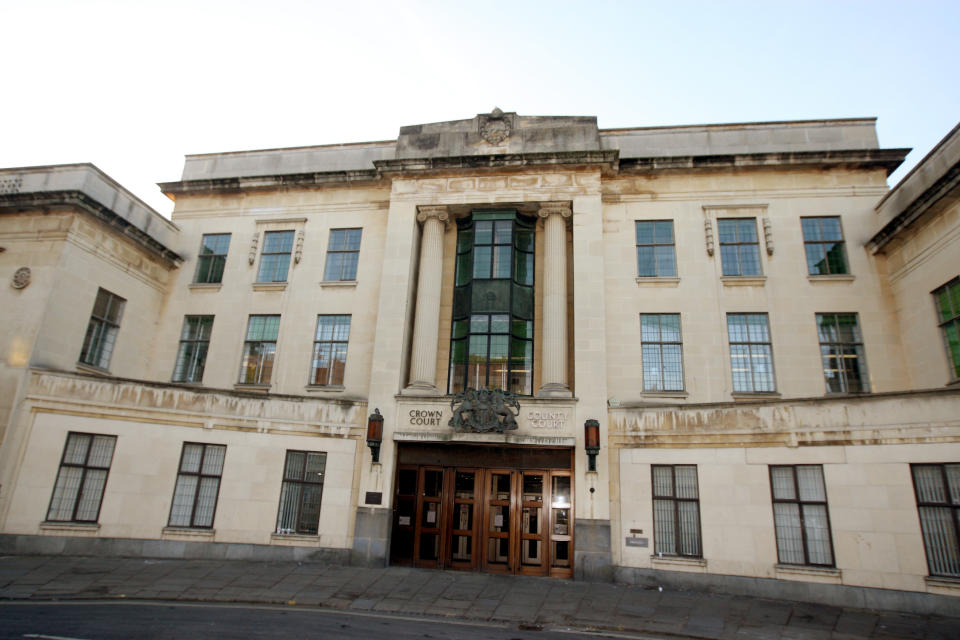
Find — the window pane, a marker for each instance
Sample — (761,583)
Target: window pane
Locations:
(782,478)
(689,515)
(929,483)
(818,533)
(206,502)
(670,327)
(483,232)
(663,481)
(77,446)
(749,260)
(672,368)
(831,228)
(646,262)
(664,527)
(940,540)
(482,268)
(190,460)
(289,503)
(89,503)
(213,460)
(652,367)
(686,476)
(645,233)
(663,231)
(183,495)
(810,479)
(730,258)
(666,265)
(727,230)
(316,466)
(101,453)
(65,493)
(789,536)
(650,327)
(296,462)
(811,229)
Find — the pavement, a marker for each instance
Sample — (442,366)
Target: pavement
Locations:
(530,603)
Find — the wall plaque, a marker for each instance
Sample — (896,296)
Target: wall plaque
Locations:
(638,542)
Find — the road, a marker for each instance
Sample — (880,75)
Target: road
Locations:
(163,620)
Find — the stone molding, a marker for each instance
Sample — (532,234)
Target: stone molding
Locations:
(563,209)
(433,211)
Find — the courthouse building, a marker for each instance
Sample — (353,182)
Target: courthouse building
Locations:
(722,356)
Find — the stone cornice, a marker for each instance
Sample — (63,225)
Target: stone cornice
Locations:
(407,166)
(888,159)
(271,182)
(926,201)
(76,199)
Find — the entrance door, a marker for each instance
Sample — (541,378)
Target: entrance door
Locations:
(499,520)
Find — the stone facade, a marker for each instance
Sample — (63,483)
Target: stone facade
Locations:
(282,218)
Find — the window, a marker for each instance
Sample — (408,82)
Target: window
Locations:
(102,330)
(301,492)
(823,241)
(655,251)
(662,357)
(198,485)
(841,348)
(343,254)
(751,356)
(676,511)
(800,515)
(739,247)
(937,487)
(212,258)
(275,259)
(256,367)
(491,342)
(330,350)
(947,299)
(78,492)
(194,341)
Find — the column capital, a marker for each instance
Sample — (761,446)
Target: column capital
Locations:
(438,211)
(549,208)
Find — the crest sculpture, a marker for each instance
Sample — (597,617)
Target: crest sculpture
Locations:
(484,410)
(495,127)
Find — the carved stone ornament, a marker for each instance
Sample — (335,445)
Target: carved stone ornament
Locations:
(425,212)
(484,410)
(495,127)
(21,278)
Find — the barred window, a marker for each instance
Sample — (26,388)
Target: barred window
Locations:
(78,492)
(751,354)
(739,246)
(841,349)
(655,249)
(343,254)
(198,485)
(330,350)
(301,492)
(800,515)
(102,329)
(662,352)
(275,259)
(212,258)
(823,242)
(676,511)
(256,366)
(947,299)
(192,355)
(937,487)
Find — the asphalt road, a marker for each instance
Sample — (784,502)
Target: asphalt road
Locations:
(156,621)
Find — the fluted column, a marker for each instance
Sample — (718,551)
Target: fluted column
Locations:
(554,359)
(426,324)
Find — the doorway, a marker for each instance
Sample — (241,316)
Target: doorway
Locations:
(503,517)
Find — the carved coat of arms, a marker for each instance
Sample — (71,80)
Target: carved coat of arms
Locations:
(483,410)
(495,127)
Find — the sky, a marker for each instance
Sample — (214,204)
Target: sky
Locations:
(134,86)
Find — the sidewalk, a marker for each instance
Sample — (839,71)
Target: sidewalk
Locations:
(472,596)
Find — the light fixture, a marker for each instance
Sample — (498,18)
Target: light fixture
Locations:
(375,434)
(591,442)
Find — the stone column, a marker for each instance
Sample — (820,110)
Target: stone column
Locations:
(554,359)
(426,324)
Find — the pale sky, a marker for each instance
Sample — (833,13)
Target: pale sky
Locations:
(133,86)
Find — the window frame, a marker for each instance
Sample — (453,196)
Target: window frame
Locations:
(258,377)
(755,243)
(675,500)
(660,344)
(85,467)
(774,500)
(101,335)
(750,344)
(196,342)
(211,259)
(200,475)
(842,242)
(300,483)
(314,369)
(946,504)
(654,245)
(953,363)
(858,347)
(274,266)
(341,254)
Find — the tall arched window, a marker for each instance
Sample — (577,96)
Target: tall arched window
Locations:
(491,342)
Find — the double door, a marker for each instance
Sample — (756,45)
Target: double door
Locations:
(499,520)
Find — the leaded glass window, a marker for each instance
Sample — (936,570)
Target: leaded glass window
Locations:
(662,352)
(800,515)
(676,511)
(823,242)
(78,491)
(739,247)
(275,259)
(198,485)
(751,353)
(938,500)
(491,345)
(301,492)
(947,299)
(655,250)
(841,349)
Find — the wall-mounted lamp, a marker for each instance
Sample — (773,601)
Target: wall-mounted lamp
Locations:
(591,443)
(375,434)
